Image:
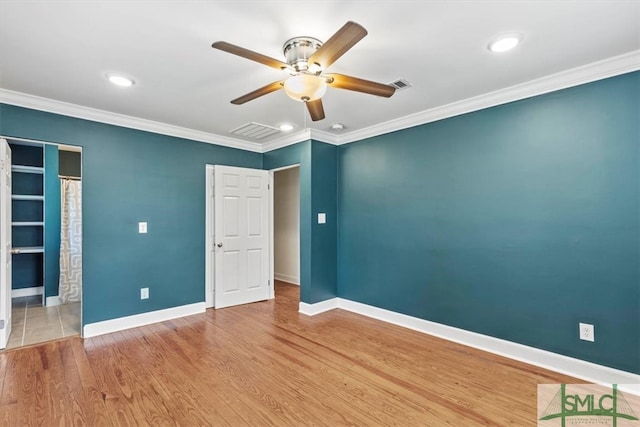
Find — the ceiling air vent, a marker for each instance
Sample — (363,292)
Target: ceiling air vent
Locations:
(255,131)
(401,84)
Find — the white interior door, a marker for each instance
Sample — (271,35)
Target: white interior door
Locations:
(242,271)
(5,243)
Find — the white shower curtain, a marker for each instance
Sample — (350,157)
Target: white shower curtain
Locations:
(70,289)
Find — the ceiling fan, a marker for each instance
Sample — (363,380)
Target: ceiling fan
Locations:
(307,59)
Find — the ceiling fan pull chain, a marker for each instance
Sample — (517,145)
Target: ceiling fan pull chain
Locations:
(304,115)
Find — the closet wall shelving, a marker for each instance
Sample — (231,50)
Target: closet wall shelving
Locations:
(28,218)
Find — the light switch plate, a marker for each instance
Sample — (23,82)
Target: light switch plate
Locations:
(322,218)
(142,227)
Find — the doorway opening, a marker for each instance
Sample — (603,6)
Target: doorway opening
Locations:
(238,264)
(46,242)
(225,229)
(286,226)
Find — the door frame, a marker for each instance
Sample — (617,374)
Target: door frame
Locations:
(68,147)
(5,247)
(209,283)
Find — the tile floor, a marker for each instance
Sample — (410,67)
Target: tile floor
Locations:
(32,323)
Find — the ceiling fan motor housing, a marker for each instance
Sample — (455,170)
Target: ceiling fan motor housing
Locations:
(298,50)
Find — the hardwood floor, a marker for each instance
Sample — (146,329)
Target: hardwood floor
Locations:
(265,364)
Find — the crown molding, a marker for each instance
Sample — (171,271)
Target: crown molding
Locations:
(289,139)
(301,136)
(326,137)
(72,110)
(610,67)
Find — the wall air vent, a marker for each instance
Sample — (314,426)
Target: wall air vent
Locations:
(255,131)
(400,84)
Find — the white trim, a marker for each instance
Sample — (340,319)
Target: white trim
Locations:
(93,114)
(591,372)
(208,232)
(272,246)
(286,278)
(610,67)
(27,292)
(33,142)
(285,141)
(599,70)
(295,165)
(606,68)
(326,137)
(142,319)
(317,308)
(52,301)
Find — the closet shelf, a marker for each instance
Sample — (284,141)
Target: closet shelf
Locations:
(27,223)
(27,169)
(26,197)
(28,250)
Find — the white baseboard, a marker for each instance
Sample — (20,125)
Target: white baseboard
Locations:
(591,372)
(27,292)
(52,301)
(128,322)
(319,307)
(286,278)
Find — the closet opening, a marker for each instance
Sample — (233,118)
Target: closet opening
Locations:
(46,228)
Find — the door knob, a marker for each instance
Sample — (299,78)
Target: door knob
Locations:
(219,245)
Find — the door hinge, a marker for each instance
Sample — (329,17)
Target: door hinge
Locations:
(2,324)
(268,187)
(269,283)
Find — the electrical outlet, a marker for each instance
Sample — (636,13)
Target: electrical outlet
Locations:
(144,293)
(586,332)
(142,227)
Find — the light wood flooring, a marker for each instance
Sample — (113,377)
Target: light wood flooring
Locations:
(32,323)
(265,364)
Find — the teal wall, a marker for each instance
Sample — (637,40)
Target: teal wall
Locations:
(131,176)
(52,218)
(318,185)
(324,244)
(517,221)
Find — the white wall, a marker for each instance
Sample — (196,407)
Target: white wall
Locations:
(286,225)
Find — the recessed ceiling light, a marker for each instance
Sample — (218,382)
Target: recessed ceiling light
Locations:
(120,80)
(286,127)
(505,43)
(337,126)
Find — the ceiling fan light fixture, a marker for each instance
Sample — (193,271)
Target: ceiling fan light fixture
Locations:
(505,42)
(305,87)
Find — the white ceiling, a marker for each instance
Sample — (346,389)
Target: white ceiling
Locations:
(61,50)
